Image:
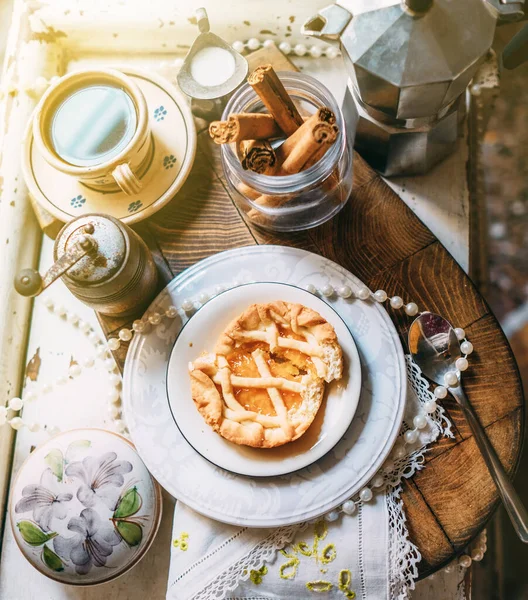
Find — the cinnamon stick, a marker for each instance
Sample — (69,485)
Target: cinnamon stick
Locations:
(244,126)
(258,156)
(276,99)
(314,136)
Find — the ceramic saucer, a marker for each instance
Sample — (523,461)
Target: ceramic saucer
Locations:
(174,149)
(200,334)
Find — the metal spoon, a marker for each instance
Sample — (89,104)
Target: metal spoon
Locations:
(435,348)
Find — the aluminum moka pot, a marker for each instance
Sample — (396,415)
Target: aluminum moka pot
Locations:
(102,262)
(409,64)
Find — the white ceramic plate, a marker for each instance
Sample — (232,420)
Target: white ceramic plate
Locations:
(201,333)
(174,148)
(290,498)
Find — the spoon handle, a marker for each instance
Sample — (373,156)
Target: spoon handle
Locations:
(510,498)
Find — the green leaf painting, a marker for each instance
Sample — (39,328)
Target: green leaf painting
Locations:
(75,449)
(55,462)
(129,531)
(33,534)
(51,560)
(128,505)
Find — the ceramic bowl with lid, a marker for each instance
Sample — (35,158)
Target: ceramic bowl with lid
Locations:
(84,508)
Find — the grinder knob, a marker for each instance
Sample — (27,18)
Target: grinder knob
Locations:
(28,282)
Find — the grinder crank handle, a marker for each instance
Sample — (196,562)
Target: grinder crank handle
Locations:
(30,282)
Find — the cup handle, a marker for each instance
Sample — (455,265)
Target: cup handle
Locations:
(126,179)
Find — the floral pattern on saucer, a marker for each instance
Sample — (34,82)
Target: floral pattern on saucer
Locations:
(88,505)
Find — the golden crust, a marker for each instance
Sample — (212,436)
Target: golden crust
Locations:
(286,329)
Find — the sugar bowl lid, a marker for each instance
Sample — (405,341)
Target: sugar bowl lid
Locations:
(108,255)
(84,508)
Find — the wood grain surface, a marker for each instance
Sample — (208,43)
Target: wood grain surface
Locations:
(380,240)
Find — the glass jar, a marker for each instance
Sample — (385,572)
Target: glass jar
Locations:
(301,200)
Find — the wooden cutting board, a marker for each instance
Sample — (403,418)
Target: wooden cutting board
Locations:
(380,240)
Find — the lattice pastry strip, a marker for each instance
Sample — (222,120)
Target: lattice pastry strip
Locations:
(264,384)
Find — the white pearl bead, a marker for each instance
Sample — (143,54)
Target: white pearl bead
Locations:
(363,293)
(388,466)
(113,395)
(125,335)
(316,51)
(377,481)
(34,427)
(84,326)
(48,302)
(349,507)
(109,364)
(465,561)
(154,318)
(54,431)
(171,313)
(462,364)
(114,379)
(120,425)
(285,47)
(440,391)
(268,43)
(380,296)
(203,298)
(430,407)
(238,46)
(365,495)
(46,388)
(466,347)
(420,421)
(310,288)
(332,516)
(60,310)
(138,326)
(327,290)
(16,423)
(460,333)
(451,379)
(187,305)
(30,396)
(477,555)
(410,436)
(16,404)
(332,52)
(101,352)
(114,344)
(94,338)
(345,291)
(61,380)
(73,319)
(300,49)
(74,371)
(253,44)
(396,302)
(411,309)
(113,411)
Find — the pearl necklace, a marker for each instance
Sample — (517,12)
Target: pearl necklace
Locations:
(153,319)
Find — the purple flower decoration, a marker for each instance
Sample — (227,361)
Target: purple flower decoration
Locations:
(93,544)
(44,500)
(103,477)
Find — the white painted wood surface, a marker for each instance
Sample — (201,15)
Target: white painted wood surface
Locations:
(440,199)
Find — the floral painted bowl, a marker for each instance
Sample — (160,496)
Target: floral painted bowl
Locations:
(84,508)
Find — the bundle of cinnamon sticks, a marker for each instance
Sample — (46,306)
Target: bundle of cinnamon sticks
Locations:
(306,139)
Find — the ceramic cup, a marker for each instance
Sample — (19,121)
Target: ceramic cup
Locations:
(128,167)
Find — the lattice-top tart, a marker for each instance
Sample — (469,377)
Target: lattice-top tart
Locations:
(264,383)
